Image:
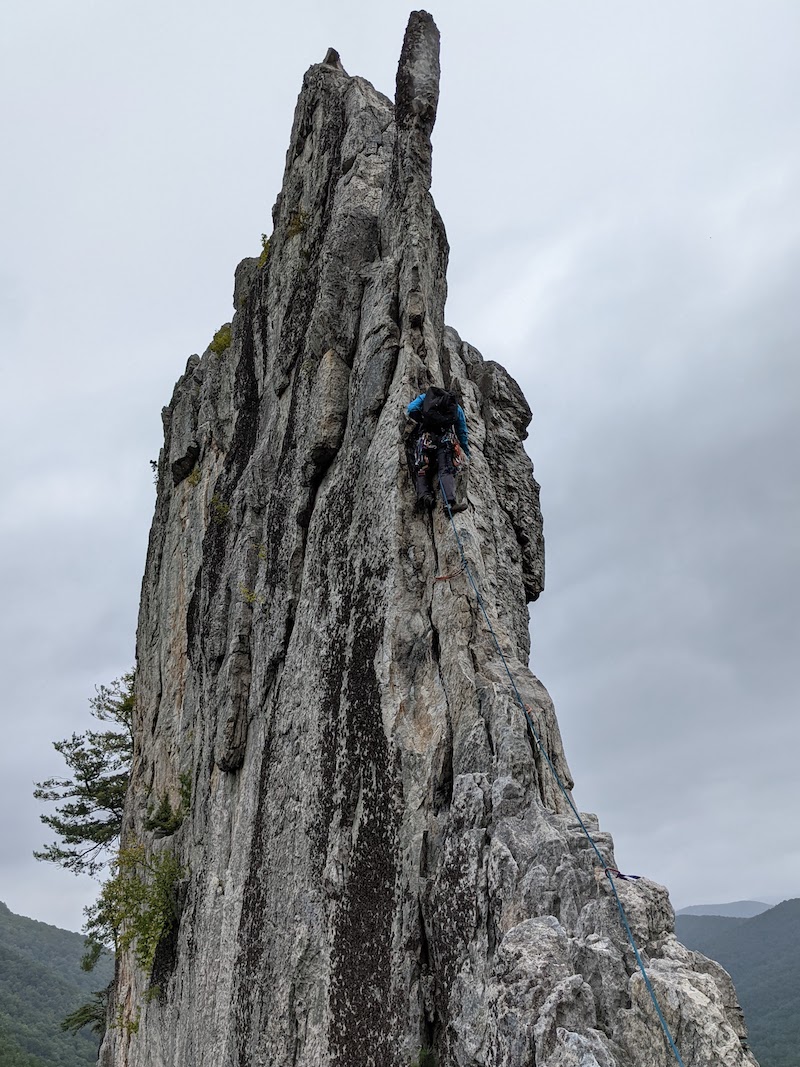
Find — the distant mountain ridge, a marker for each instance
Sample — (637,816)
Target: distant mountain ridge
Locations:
(742,909)
(40,983)
(762,955)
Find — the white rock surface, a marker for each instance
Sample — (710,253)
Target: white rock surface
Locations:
(378,861)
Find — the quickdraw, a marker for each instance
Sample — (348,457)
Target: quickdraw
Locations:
(447,577)
(624,877)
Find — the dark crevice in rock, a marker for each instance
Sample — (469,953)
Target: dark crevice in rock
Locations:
(362,931)
(491,934)
(246,405)
(436,649)
(183,467)
(429,1036)
(165,959)
(250,941)
(484,698)
(443,791)
(193,619)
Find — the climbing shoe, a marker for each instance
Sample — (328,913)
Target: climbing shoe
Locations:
(426,501)
(455,507)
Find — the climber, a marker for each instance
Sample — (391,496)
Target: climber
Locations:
(440,443)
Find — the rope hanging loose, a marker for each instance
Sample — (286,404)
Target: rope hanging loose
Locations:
(610,872)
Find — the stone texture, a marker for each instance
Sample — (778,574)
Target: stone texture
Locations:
(377,857)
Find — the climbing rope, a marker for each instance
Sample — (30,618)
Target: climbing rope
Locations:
(608,871)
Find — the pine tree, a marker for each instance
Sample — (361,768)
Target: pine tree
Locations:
(88,818)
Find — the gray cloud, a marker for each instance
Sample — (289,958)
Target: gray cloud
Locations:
(620,190)
(667,629)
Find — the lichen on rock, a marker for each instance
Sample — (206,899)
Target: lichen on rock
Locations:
(379,866)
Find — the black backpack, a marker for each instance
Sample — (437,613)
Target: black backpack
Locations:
(439,409)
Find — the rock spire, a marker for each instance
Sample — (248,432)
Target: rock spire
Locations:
(376,867)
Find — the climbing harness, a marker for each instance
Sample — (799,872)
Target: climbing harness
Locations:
(424,446)
(610,872)
(427,444)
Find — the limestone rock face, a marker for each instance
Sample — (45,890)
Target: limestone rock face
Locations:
(376,858)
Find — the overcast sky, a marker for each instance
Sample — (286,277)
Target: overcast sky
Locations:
(620,183)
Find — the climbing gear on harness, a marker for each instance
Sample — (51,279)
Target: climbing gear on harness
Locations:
(424,448)
(460,458)
(609,872)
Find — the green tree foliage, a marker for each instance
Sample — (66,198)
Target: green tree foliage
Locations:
(11,1055)
(137,906)
(762,956)
(426,1058)
(57,950)
(92,1014)
(221,340)
(40,982)
(88,815)
(164,820)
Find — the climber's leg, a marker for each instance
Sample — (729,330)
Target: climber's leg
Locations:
(446,471)
(462,482)
(423,458)
(423,490)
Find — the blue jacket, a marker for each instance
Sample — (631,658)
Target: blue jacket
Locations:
(414,410)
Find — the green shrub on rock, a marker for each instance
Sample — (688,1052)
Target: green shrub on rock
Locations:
(426,1058)
(137,906)
(219,509)
(298,223)
(221,340)
(164,818)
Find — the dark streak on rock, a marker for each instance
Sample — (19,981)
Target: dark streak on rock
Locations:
(361,954)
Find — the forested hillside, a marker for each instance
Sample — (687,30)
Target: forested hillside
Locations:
(742,909)
(41,982)
(762,955)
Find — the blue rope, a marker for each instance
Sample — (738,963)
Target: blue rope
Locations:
(561,786)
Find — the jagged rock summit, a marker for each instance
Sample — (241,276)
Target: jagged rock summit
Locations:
(377,866)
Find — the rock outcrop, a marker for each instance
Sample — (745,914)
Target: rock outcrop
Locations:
(377,866)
